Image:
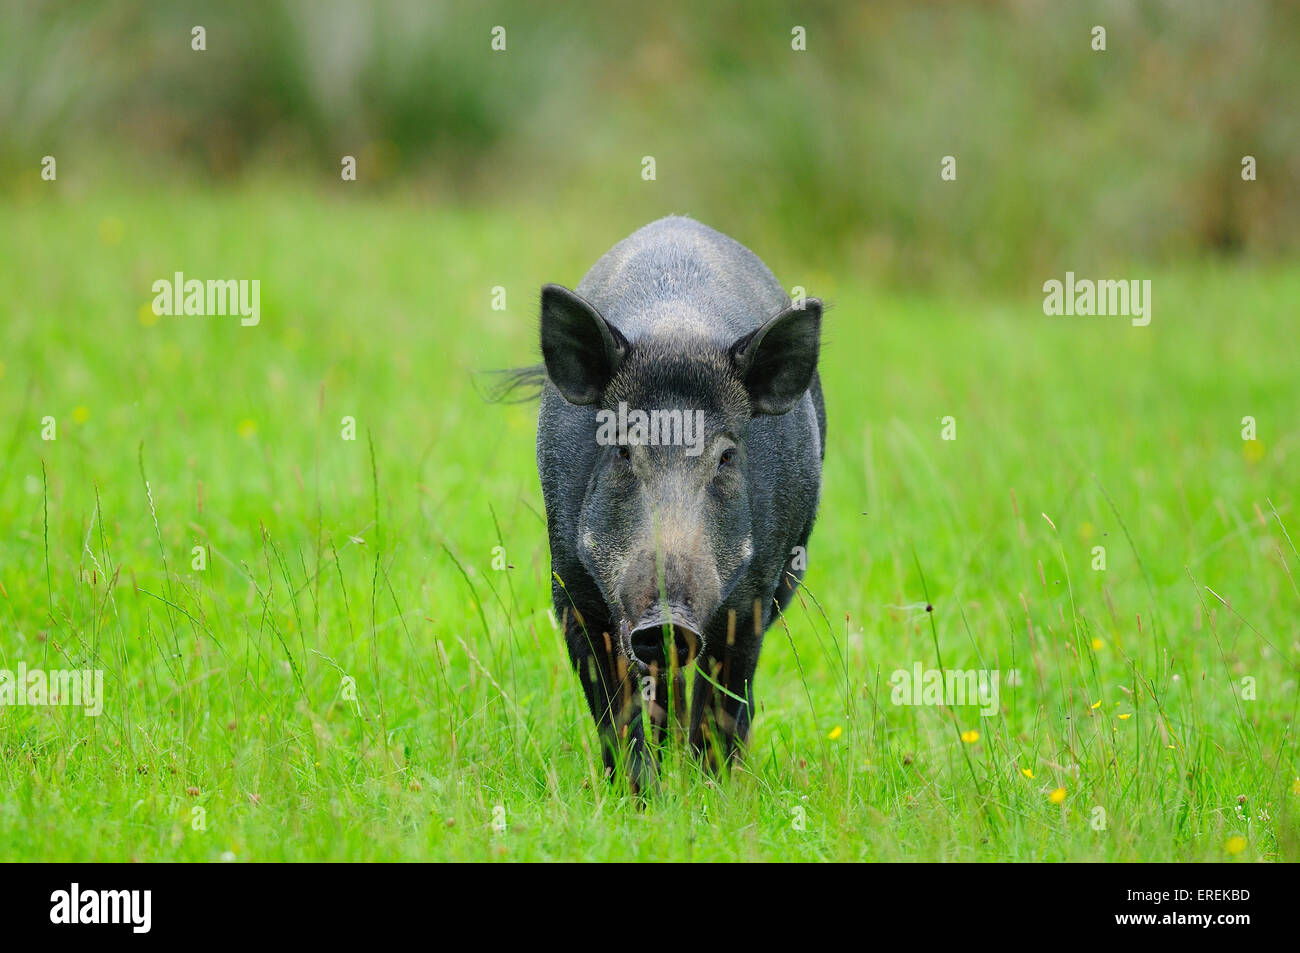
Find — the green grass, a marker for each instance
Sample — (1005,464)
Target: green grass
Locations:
(225,686)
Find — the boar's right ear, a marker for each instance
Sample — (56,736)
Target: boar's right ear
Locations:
(581,349)
(778,360)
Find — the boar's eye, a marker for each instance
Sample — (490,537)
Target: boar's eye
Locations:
(728,457)
(624,453)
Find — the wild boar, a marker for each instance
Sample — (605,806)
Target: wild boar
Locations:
(680,441)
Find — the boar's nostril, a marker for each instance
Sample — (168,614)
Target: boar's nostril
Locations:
(645,641)
(651,643)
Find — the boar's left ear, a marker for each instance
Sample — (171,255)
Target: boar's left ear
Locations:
(777,361)
(581,349)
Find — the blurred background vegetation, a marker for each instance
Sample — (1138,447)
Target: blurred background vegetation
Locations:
(1066,158)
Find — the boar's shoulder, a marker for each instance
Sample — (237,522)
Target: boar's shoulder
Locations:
(677,277)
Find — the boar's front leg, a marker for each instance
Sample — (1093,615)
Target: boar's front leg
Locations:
(668,701)
(613,694)
(720,720)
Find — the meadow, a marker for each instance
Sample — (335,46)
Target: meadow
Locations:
(363,666)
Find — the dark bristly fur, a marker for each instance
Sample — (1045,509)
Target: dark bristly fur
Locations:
(512,385)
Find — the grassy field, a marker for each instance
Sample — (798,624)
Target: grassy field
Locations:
(229,729)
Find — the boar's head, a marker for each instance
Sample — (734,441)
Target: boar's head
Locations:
(666,529)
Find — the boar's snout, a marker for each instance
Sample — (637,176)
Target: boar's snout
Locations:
(659,632)
(674,618)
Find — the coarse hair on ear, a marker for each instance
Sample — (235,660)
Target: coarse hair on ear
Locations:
(581,350)
(777,361)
